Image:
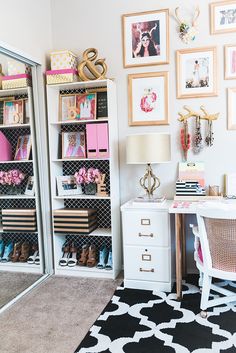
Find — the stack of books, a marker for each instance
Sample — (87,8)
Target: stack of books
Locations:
(189,188)
(75,220)
(19,220)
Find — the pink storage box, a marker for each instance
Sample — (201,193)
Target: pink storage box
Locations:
(16,81)
(97,140)
(6,149)
(61,76)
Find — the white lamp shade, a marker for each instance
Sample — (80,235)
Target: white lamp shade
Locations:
(148,148)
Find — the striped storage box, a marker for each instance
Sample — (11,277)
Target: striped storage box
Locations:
(23,220)
(16,81)
(61,76)
(76,220)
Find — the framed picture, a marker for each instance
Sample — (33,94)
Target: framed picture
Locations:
(146,38)
(77,107)
(196,72)
(73,145)
(66,185)
(148,99)
(230,62)
(13,112)
(30,187)
(223,16)
(232,108)
(101,102)
(67,107)
(23,148)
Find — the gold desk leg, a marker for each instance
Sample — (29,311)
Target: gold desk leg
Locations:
(178,245)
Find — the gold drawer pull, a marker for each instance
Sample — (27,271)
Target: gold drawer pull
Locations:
(143,270)
(145,235)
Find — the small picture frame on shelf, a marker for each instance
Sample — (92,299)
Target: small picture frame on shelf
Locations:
(66,185)
(101,106)
(86,106)
(13,112)
(67,107)
(73,145)
(30,187)
(23,148)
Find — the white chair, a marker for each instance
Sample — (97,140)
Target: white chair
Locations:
(215,252)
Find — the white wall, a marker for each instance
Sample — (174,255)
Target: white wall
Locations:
(80,25)
(26,26)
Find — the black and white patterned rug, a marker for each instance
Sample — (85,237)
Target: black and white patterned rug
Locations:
(138,321)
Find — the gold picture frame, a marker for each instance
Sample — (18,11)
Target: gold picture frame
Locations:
(148,102)
(223,17)
(230,62)
(231,108)
(145,38)
(196,72)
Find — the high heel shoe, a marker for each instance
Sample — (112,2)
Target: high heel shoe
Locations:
(1,248)
(25,251)
(31,259)
(73,256)
(16,252)
(84,255)
(91,262)
(108,265)
(65,254)
(7,252)
(102,257)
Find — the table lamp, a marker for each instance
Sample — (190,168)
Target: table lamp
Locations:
(147,149)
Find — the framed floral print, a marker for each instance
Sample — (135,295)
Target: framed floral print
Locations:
(230,62)
(196,72)
(148,99)
(146,38)
(223,16)
(231,108)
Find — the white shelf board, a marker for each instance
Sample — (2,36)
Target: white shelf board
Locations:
(82,197)
(15,162)
(14,126)
(19,267)
(79,159)
(16,197)
(101,232)
(13,92)
(83,271)
(82,84)
(72,122)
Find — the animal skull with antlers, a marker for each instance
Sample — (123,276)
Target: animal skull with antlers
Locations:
(187,31)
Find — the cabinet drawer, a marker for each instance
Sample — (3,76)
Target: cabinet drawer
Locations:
(147,263)
(146,228)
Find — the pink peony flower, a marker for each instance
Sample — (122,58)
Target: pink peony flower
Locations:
(84,176)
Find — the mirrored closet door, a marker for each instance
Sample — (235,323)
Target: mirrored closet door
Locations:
(21,228)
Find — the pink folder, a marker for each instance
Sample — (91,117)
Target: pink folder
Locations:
(6,148)
(103,141)
(92,147)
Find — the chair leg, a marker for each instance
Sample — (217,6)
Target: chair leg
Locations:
(205,291)
(200,281)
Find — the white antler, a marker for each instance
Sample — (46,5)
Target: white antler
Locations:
(196,15)
(177,15)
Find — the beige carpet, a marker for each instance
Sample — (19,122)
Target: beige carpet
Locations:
(13,283)
(55,316)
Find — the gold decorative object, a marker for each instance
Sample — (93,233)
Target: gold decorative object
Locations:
(152,181)
(192,113)
(101,186)
(1,75)
(88,68)
(187,29)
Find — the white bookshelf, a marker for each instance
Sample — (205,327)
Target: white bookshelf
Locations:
(29,167)
(108,230)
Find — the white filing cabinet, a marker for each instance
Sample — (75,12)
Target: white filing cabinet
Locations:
(147,246)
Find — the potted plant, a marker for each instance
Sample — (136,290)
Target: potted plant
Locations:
(89,178)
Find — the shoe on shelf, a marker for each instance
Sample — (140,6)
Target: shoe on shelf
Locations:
(108,265)
(103,252)
(35,254)
(25,251)
(65,254)
(37,259)
(16,252)
(72,260)
(91,262)
(7,252)
(2,245)
(84,255)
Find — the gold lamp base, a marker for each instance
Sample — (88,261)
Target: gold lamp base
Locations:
(149,181)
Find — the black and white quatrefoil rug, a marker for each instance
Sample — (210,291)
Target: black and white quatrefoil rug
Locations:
(138,321)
